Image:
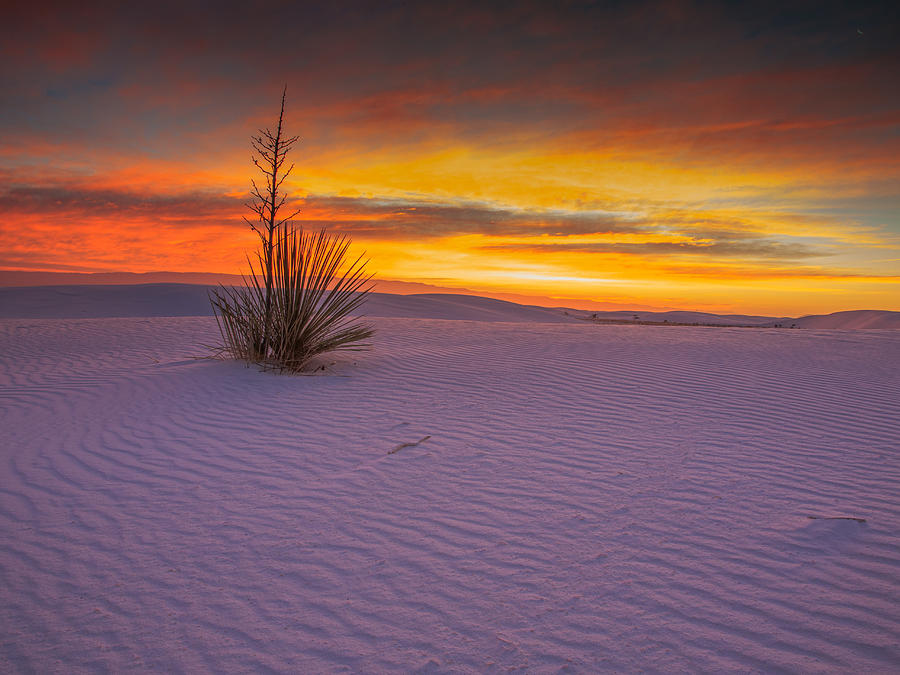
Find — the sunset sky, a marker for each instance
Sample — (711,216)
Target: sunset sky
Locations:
(700,155)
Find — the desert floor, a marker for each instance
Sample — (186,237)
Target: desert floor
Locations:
(587,498)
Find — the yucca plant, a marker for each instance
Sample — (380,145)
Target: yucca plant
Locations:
(310,309)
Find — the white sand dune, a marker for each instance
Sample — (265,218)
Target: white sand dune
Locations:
(149,300)
(461,307)
(177,299)
(865,318)
(588,498)
(685,317)
(102,301)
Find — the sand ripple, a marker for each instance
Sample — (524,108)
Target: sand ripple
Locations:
(591,498)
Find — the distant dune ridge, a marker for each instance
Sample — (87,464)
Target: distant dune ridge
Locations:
(170,299)
(863,318)
(24,278)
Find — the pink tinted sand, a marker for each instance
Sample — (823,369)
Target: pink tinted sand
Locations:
(590,498)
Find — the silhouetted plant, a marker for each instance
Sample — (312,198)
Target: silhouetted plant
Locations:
(304,304)
(314,295)
(271,153)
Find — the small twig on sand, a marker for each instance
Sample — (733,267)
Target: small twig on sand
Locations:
(398,448)
(858,520)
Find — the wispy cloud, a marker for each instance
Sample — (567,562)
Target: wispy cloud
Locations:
(748,250)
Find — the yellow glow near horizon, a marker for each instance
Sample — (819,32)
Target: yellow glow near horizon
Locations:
(683,206)
(462,263)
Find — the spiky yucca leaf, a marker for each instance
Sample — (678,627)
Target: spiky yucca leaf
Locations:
(314,297)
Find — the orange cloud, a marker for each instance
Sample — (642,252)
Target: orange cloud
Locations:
(653,153)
